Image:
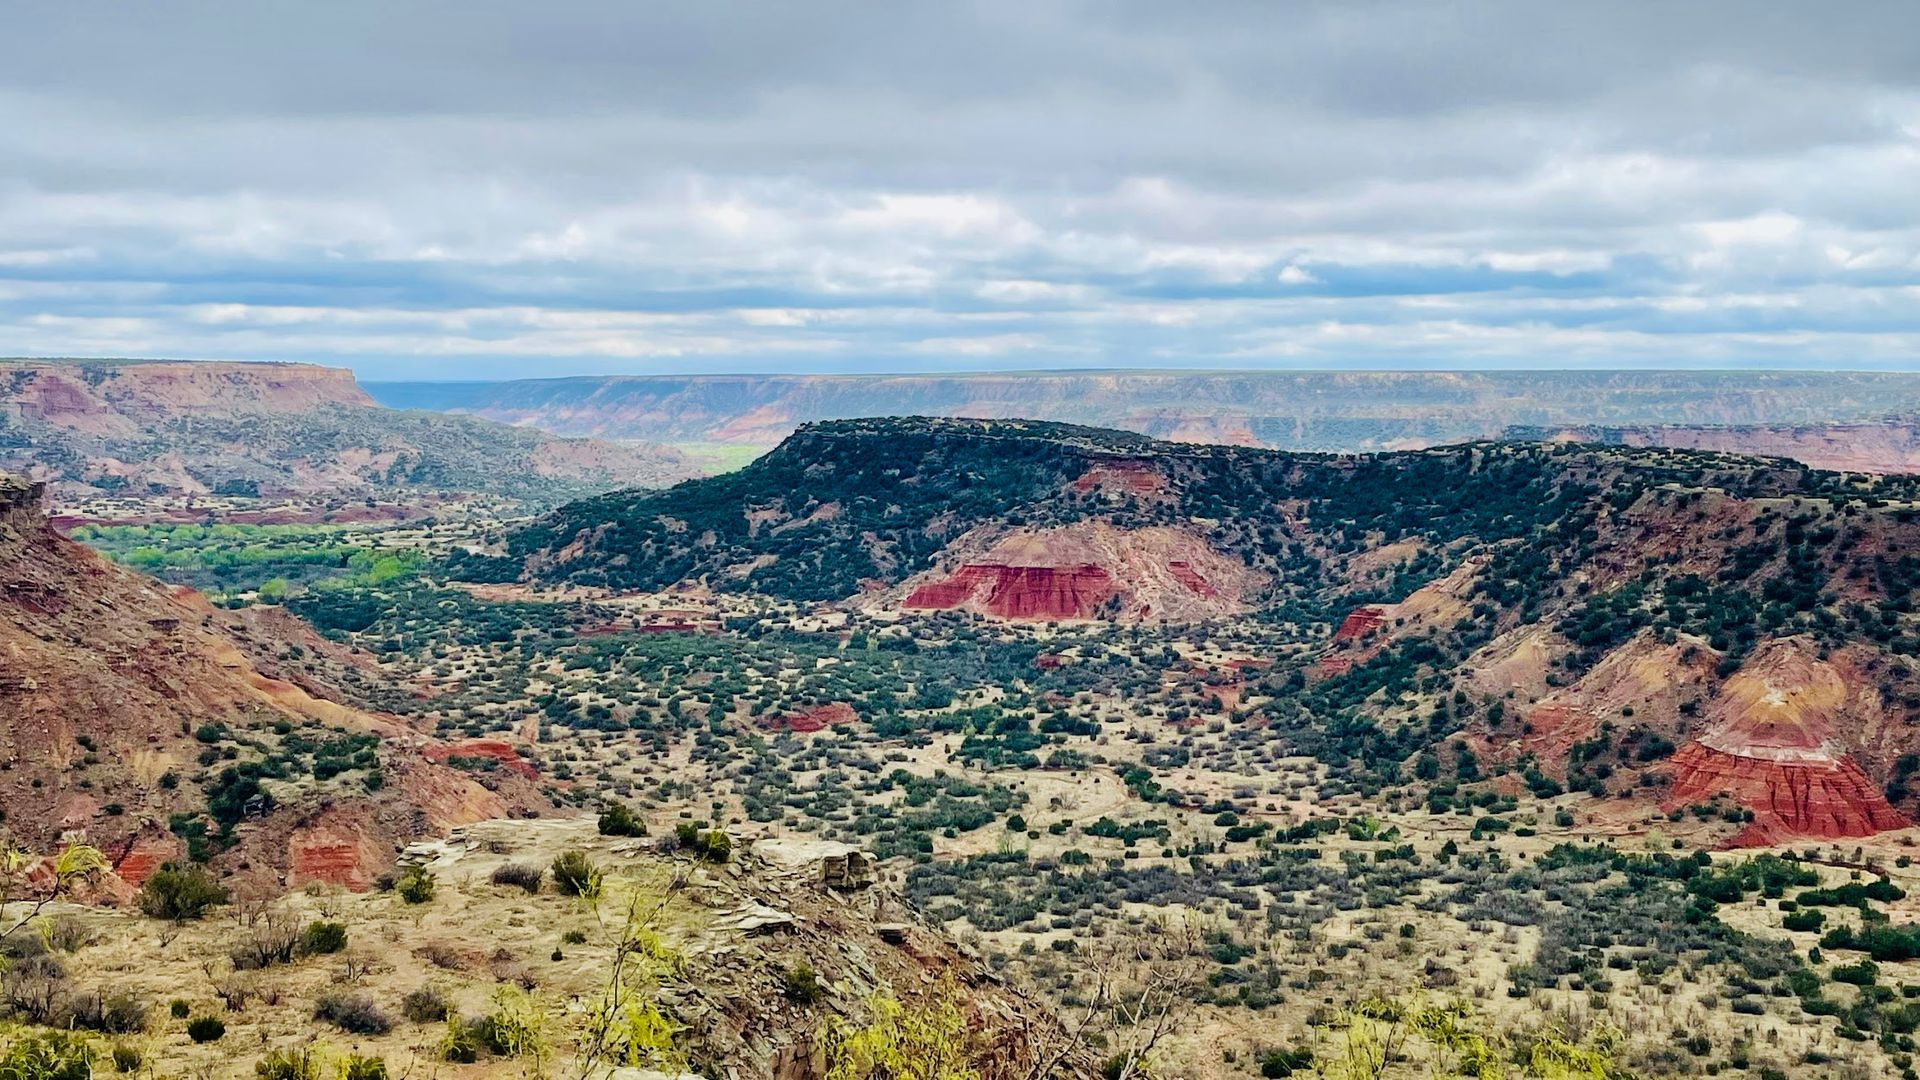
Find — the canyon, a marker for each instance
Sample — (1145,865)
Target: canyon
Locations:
(1286,410)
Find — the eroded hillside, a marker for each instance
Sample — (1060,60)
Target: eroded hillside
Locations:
(148,428)
(138,716)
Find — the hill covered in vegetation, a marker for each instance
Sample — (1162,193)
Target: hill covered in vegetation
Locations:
(1577,610)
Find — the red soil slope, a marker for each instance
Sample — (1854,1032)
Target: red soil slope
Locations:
(104,677)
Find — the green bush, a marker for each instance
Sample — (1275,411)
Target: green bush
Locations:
(205,1029)
(293,1063)
(323,938)
(575,875)
(416,886)
(621,821)
(1803,920)
(802,985)
(713,845)
(180,893)
(363,1067)
(52,1055)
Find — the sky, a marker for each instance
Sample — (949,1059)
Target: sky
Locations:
(482,190)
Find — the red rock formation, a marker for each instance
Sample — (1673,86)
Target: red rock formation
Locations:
(1019,592)
(144,854)
(339,848)
(1121,476)
(1359,622)
(818,718)
(1772,745)
(1825,798)
(1088,570)
(1183,573)
(484,749)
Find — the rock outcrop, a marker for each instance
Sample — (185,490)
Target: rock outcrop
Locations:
(1088,570)
(1773,744)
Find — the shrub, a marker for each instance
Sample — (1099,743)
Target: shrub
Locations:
(459,1045)
(1860,974)
(714,845)
(293,1063)
(363,1067)
(415,886)
(356,1013)
(205,1029)
(621,821)
(574,937)
(323,938)
(802,985)
(515,1028)
(52,1055)
(267,945)
(119,1014)
(180,893)
(575,875)
(425,1006)
(179,1009)
(127,1058)
(1803,920)
(1283,1063)
(520,876)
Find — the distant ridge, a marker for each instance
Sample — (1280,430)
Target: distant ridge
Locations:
(1333,411)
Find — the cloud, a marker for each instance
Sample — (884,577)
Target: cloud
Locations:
(436,189)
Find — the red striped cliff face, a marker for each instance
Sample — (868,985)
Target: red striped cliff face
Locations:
(1019,592)
(1774,745)
(1088,570)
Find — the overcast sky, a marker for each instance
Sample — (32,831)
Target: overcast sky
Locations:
(473,188)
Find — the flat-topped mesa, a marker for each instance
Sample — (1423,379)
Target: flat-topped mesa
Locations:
(81,393)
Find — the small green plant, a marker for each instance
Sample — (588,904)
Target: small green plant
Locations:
(425,1006)
(459,1045)
(574,937)
(416,886)
(127,1058)
(713,845)
(517,1027)
(575,875)
(292,1063)
(802,985)
(323,938)
(363,1067)
(205,1029)
(52,1055)
(179,1009)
